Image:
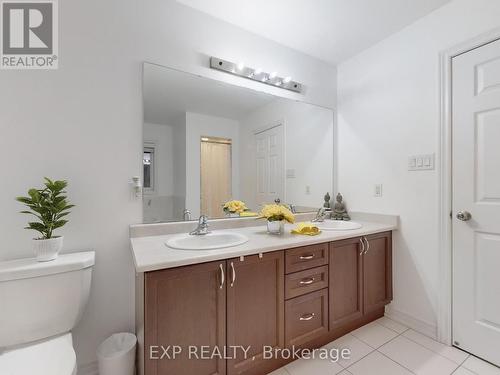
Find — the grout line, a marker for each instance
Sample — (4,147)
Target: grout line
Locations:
(482,360)
(399,364)
(400,333)
(373,350)
(432,351)
(366,355)
(459,367)
(459,363)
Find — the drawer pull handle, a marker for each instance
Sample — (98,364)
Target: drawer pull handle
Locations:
(307,316)
(306,257)
(306,281)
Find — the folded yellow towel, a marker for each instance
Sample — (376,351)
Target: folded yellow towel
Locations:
(248,213)
(307,229)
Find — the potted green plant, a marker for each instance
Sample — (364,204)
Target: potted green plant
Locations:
(50,206)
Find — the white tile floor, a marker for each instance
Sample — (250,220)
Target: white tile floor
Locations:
(385,347)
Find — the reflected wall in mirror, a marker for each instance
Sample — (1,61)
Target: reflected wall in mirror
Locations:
(207,143)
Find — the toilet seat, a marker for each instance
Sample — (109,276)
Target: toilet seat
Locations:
(54,356)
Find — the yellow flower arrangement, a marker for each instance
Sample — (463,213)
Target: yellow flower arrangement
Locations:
(235,207)
(276,212)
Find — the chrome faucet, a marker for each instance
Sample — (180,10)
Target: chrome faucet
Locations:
(202,227)
(320,216)
(186,215)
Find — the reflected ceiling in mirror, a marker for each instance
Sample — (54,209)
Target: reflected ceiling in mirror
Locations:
(223,150)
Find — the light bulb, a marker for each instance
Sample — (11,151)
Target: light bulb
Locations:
(287,79)
(241,65)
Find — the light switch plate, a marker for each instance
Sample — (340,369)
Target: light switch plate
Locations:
(377,191)
(421,162)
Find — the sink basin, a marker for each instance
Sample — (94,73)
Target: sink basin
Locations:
(211,241)
(338,225)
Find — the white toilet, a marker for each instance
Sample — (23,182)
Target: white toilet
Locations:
(40,303)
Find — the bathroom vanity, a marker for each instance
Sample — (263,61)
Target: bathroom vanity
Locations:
(207,146)
(274,291)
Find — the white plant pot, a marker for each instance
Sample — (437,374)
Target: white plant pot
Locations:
(46,250)
(276,227)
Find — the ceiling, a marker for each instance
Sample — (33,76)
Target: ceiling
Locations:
(330,30)
(169,94)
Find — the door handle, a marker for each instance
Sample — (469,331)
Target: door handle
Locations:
(233,274)
(367,245)
(221,276)
(362,246)
(464,215)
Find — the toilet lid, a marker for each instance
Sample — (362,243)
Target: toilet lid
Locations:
(55,356)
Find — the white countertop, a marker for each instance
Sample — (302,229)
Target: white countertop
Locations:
(151,253)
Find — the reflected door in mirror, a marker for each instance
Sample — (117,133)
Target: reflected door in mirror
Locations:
(215,175)
(269,159)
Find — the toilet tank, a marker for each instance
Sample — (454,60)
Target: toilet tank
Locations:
(42,299)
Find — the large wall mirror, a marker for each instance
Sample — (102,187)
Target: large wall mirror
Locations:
(207,142)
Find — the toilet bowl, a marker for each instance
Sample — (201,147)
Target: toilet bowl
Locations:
(54,356)
(41,303)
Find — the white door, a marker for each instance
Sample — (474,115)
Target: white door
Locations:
(476,190)
(269,165)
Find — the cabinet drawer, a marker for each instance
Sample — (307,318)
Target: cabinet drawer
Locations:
(303,282)
(303,258)
(306,317)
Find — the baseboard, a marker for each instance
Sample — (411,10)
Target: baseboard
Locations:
(88,369)
(416,324)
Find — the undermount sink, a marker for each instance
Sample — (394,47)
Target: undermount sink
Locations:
(210,241)
(338,225)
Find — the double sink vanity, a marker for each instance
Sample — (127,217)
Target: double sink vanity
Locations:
(271,291)
(216,303)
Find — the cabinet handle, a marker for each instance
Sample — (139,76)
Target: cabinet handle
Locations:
(362,246)
(307,316)
(221,276)
(367,245)
(233,274)
(306,257)
(307,281)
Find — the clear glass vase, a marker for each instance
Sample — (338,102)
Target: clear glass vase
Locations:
(276,227)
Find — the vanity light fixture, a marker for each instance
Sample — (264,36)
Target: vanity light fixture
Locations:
(240,70)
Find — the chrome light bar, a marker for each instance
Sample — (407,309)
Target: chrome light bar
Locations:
(257,75)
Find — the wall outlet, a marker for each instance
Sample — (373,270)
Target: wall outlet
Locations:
(377,191)
(421,162)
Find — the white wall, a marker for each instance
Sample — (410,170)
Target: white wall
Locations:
(308,150)
(83,122)
(389,109)
(197,126)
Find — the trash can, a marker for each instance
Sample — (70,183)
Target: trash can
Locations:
(116,354)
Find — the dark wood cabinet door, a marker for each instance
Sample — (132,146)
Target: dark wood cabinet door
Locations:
(346,282)
(306,318)
(255,310)
(185,306)
(377,271)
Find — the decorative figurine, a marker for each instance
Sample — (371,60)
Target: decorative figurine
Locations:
(339,210)
(327,204)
